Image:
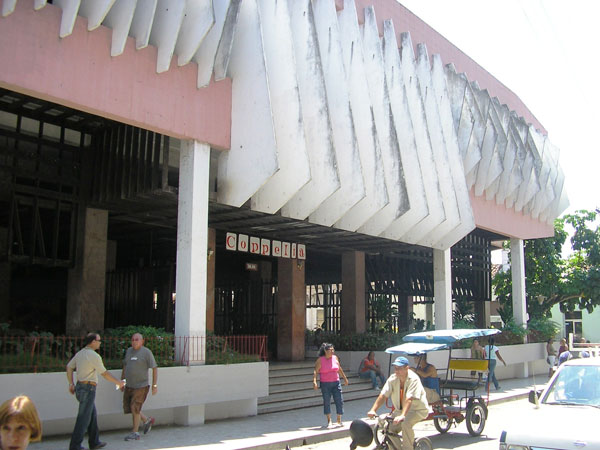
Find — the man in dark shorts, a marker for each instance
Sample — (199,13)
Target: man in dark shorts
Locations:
(138,360)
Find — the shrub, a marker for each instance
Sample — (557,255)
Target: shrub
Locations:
(159,341)
(541,329)
(354,342)
(511,333)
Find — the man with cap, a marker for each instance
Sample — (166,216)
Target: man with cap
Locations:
(409,399)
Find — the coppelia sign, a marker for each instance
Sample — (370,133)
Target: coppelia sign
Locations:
(264,247)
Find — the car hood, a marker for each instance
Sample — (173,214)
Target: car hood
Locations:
(557,427)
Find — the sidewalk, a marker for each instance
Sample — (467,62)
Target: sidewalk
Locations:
(266,431)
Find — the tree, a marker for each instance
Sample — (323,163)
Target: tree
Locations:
(571,282)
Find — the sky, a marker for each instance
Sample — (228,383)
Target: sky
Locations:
(542,50)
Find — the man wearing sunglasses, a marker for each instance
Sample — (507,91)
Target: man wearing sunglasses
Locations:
(87,363)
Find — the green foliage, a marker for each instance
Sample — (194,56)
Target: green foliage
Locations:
(463,314)
(43,352)
(230,357)
(384,312)
(118,340)
(354,342)
(464,323)
(541,329)
(572,283)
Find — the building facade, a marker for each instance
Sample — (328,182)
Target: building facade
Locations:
(225,165)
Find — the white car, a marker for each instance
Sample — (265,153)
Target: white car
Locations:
(568,415)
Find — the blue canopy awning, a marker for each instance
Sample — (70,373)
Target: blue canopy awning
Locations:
(448,336)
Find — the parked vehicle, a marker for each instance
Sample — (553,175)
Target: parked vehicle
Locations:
(567,410)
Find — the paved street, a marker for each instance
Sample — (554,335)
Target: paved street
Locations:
(458,437)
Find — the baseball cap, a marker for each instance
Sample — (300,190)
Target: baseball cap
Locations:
(400,361)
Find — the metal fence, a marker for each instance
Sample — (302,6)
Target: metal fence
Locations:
(52,353)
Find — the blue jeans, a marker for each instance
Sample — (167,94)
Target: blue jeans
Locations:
(492,374)
(329,388)
(373,376)
(86,417)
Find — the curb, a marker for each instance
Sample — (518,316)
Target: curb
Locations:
(345,432)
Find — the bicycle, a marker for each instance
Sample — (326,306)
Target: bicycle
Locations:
(385,439)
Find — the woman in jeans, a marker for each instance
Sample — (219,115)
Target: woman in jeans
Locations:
(329,369)
(493,355)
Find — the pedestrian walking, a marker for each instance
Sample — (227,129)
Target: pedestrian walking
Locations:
(329,369)
(138,360)
(87,364)
(493,354)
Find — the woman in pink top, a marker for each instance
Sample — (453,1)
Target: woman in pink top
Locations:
(329,369)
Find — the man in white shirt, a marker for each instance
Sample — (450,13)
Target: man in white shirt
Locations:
(409,400)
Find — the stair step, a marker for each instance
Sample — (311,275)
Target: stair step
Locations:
(268,408)
(306,393)
(291,387)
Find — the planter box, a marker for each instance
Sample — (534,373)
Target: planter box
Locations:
(186,396)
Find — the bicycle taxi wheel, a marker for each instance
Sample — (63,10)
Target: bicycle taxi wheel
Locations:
(423,443)
(475,418)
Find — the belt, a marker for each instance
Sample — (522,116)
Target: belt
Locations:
(93,383)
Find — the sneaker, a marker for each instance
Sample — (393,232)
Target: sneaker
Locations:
(329,425)
(148,424)
(98,445)
(498,388)
(133,436)
(376,388)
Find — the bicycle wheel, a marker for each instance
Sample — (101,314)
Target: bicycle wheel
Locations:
(442,423)
(475,418)
(423,443)
(379,434)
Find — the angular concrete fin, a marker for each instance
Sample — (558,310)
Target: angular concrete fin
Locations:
(70,8)
(294,168)
(141,25)
(95,11)
(8,7)
(168,19)
(390,151)
(439,148)
(352,188)
(367,137)
(403,130)
(317,126)
(224,49)
(436,214)
(205,55)
(466,220)
(198,19)
(252,158)
(119,18)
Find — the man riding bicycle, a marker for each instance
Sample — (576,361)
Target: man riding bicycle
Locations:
(409,399)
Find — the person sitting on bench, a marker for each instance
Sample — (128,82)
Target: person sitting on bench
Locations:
(429,378)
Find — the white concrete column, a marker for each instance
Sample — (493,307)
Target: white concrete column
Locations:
(192,235)
(517,256)
(518,281)
(442,289)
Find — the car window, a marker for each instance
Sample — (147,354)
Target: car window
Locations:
(576,385)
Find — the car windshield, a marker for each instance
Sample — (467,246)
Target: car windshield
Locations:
(578,385)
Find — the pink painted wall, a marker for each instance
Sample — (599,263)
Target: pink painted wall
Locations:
(420,32)
(499,219)
(78,71)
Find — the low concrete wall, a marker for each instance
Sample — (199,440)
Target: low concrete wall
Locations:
(186,396)
(517,357)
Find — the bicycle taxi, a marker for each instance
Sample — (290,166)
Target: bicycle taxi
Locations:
(463,377)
